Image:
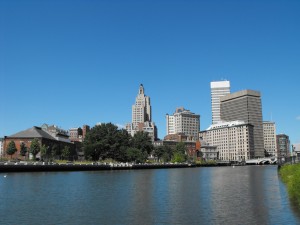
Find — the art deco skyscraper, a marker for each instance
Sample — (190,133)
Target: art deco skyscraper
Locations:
(141,116)
(245,106)
(141,110)
(218,89)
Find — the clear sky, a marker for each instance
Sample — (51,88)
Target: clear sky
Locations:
(74,62)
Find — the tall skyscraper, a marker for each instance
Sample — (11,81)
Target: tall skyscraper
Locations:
(183,121)
(141,110)
(246,106)
(218,89)
(141,116)
(270,137)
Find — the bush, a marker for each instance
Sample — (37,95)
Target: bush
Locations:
(290,175)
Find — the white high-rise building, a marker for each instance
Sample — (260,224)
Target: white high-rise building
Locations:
(141,110)
(234,140)
(183,121)
(270,138)
(218,89)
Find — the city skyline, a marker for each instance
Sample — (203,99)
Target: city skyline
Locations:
(75,63)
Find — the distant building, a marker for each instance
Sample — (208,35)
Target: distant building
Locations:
(209,152)
(44,137)
(296,150)
(218,89)
(56,132)
(141,116)
(234,140)
(245,106)
(183,122)
(283,145)
(270,138)
(1,147)
(78,134)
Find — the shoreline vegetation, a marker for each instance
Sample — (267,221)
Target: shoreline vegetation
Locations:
(290,175)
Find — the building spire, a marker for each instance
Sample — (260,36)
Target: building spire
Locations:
(141,89)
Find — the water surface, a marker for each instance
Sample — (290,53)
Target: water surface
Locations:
(221,195)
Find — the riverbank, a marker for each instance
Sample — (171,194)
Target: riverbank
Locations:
(95,167)
(290,175)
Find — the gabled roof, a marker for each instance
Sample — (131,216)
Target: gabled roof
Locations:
(34,132)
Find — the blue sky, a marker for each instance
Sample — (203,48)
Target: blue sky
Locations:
(71,63)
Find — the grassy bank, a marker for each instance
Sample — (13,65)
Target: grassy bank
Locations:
(290,175)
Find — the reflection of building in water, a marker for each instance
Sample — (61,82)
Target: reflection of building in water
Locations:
(234,140)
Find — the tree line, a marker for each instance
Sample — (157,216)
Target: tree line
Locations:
(106,141)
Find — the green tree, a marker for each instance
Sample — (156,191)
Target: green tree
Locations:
(142,141)
(179,153)
(136,155)
(106,141)
(163,153)
(35,148)
(45,152)
(11,148)
(66,153)
(180,147)
(23,149)
(55,150)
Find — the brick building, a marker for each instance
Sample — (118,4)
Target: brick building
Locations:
(27,136)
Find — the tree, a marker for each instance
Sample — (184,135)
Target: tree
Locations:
(163,153)
(136,155)
(142,141)
(267,154)
(158,152)
(35,148)
(66,153)
(23,149)
(106,141)
(180,147)
(45,152)
(11,148)
(55,150)
(179,153)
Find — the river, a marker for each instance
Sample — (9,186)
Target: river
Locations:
(217,195)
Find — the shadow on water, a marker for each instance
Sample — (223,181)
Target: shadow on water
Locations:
(295,207)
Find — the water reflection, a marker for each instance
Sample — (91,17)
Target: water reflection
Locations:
(223,195)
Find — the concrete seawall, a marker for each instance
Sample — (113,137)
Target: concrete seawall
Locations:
(64,167)
(90,167)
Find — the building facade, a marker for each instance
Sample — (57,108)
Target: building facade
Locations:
(245,106)
(183,121)
(218,90)
(283,145)
(1,147)
(78,134)
(234,140)
(270,138)
(27,136)
(141,110)
(141,116)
